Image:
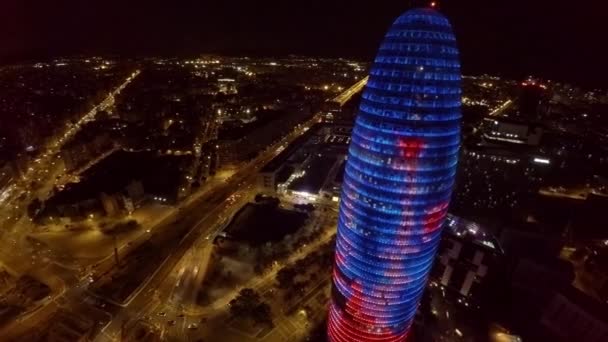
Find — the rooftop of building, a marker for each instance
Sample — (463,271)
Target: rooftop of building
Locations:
(463,228)
(335,134)
(316,172)
(502,149)
(278,161)
(515,121)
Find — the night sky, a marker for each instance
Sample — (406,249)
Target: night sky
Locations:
(563,40)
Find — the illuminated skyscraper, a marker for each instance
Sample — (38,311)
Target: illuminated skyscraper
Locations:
(398,181)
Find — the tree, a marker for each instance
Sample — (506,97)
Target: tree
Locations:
(248,304)
(244,303)
(262,314)
(300,287)
(285,277)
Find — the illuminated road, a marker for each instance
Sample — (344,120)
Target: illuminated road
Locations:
(197,217)
(41,172)
(180,285)
(73,177)
(348,94)
(498,111)
(40,178)
(216,209)
(296,326)
(213,212)
(176,295)
(186,314)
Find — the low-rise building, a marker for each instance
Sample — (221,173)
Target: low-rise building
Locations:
(467,255)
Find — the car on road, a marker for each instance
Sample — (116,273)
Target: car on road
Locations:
(162,314)
(192,326)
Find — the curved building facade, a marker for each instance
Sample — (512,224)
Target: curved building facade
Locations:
(398,181)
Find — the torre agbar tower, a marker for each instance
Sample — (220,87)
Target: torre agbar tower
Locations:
(398,182)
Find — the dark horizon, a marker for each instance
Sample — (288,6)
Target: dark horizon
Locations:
(514,39)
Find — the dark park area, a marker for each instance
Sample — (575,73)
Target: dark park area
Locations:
(260,223)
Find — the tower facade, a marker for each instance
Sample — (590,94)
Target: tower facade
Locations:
(398,181)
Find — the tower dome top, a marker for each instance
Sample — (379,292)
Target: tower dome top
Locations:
(423,15)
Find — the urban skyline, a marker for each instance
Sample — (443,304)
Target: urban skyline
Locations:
(156,186)
(494,42)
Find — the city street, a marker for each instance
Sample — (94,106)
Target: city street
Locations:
(242,183)
(47,172)
(348,93)
(171,308)
(43,166)
(196,218)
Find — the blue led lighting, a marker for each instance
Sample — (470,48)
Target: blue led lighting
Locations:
(398,180)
